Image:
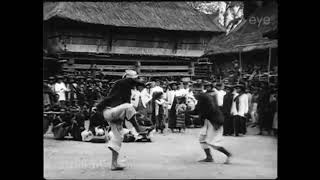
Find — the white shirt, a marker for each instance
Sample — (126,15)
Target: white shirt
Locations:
(220,94)
(243,105)
(249,99)
(170,97)
(135,97)
(60,89)
(234,111)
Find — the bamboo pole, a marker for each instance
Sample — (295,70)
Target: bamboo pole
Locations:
(240,60)
(269,64)
(138,67)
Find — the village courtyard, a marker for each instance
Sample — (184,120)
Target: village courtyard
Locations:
(170,155)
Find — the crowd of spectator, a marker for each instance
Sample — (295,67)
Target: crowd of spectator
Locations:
(163,100)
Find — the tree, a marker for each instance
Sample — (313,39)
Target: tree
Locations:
(230,13)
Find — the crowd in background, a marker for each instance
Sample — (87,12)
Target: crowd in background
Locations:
(244,98)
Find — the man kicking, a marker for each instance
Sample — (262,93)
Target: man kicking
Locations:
(212,131)
(116,108)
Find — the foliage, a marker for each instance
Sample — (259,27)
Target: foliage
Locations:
(229,13)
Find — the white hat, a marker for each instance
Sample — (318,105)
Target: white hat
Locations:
(99,131)
(130,74)
(86,135)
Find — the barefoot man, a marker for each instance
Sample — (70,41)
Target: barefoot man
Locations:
(212,130)
(116,109)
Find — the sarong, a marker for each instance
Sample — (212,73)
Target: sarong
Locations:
(210,136)
(115,117)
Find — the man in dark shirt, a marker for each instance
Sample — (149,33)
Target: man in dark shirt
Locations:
(116,108)
(226,109)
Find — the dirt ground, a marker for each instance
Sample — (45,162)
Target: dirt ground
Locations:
(170,155)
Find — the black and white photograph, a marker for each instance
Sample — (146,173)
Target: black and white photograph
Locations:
(160,89)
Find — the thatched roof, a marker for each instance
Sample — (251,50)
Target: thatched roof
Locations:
(247,36)
(162,15)
(235,42)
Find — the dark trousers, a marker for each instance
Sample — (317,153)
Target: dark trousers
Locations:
(236,125)
(228,125)
(239,125)
(243,127)
(188,119)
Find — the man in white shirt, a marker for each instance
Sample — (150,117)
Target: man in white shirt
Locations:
(238,109)
(51,83)
(140,97)
(171,93)
(60,88)
(219,95)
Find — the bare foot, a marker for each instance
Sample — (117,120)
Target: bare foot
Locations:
(206,160)
(228,159)
(117,168)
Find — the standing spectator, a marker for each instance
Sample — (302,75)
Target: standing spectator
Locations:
(51,83)
(274,110)
(171,105)
(181,108)
(226,109)
(234,113)
(264,110)
(149,87)
(105,88)
(220,93)
(81,96)
(60,88)
(208,87)
(47,94)
(72,87)
(66,82)
(254,106)
(165,97)
(249,95)
(139,99)
(241,103)
(159,102)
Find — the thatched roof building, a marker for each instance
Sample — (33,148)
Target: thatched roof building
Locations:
(248,35)
(160,15)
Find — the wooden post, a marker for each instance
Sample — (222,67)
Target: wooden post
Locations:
(269,64)
(110,39)
(240,60)
(138,66)
(192,68)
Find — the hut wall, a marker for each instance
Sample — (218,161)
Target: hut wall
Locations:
(75,37)
(116,67)
(83,43)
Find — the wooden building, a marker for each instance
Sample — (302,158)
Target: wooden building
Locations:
(154,38)
(250,42)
